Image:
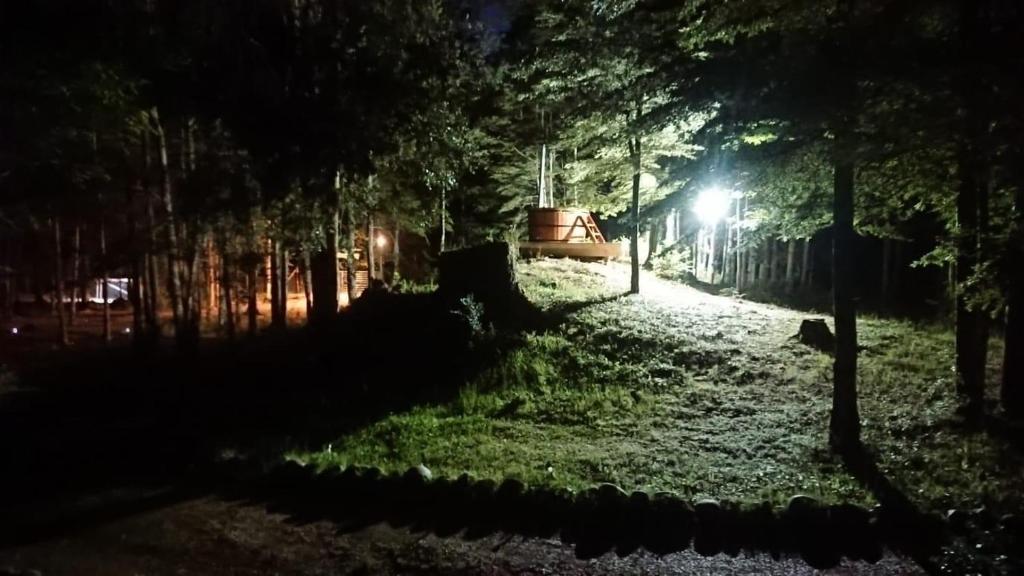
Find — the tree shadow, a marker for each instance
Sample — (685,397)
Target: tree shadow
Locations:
(559,314)
(910,531)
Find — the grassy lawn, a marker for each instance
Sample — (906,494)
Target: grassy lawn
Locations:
(700,395)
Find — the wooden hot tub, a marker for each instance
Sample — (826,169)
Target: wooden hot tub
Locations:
(558,225)
(566,232)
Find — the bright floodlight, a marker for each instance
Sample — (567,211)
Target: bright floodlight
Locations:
(712,205)
(381,241)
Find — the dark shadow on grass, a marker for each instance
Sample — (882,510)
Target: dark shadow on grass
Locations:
(911,531)
(91,424)
(559,314)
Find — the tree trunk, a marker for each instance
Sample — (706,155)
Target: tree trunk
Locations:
(105,280)
(135,296)
(395,252)
(325,265)
(351,265)
(307,282)
(541,178)
(634,228)
(282,278)
(791,264)
(252,312)
(727,262)
(273,278)
(270,267)
(210,278)
(844,427)
(971,324)
(1012,389)
(741,253)
(883,296)
(371,260)
(173,249)
(58,282)
(805,266)
(970,381)
(76,274)
(227,296)
(444,209)
(152,290)
(653,239)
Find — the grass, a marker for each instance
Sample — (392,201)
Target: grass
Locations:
(703,396)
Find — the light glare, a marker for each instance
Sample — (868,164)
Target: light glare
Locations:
(381,241)
(712,205)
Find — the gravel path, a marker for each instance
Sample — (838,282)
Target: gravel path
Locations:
(208,536)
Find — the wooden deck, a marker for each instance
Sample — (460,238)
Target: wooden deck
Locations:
(579,250)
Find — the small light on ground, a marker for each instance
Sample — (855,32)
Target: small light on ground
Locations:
(127,330)
(14,330)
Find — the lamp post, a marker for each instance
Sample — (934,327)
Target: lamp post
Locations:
(380,237)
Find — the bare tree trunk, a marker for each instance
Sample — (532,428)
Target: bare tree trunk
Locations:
(741,253)
(541,179)
(727,263)
(135,295)
(653,239)
(273,270)
(106,281)
(635,152)
(278,287)
(844,429)
(883,297)
(307,282)
(1012,389)
(805,266)
(325,264)
(790,265)
(551,176)
(268,264)
(396,254)
(252,313)
(227,297)
(58,280)
(282,254)
(76,274)
(971,327)
(152,289)
(210,278)
(173,248)
(371,263)
(350,249)
(444,209)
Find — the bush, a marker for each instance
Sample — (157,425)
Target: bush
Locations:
(676,263)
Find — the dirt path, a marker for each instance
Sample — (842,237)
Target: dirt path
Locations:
(208,536)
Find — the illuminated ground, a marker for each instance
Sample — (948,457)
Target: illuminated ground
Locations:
(702,395)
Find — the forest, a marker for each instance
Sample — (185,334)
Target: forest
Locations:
(255,212)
